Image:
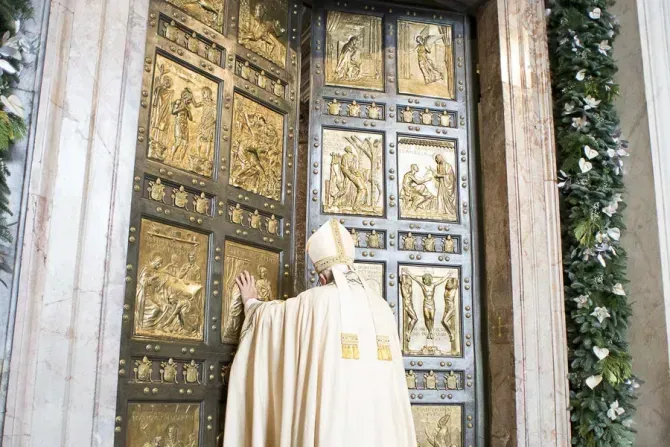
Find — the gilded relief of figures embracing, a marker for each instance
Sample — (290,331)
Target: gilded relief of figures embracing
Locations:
(172,266)
(182,125)
(353,177)
(257,148)
(428,188)
(354,51)
(425,59)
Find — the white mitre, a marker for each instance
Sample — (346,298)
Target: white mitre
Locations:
(331,245)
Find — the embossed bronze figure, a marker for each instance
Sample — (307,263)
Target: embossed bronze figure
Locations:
(430,381)
(428,284)
(261,33)
(450,291)
(406,291)
(429,243)
(373,240)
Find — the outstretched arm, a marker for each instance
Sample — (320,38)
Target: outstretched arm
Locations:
(440,281)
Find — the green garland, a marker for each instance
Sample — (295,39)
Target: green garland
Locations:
(590,154)
(15,53)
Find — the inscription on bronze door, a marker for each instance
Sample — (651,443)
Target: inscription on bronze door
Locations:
(213,194)
(391,158)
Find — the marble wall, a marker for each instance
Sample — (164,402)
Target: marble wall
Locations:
(62,382)
(649,324)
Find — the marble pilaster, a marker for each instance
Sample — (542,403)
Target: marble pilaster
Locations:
(523,287)
(62,382)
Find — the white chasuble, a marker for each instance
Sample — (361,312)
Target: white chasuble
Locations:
(290,386)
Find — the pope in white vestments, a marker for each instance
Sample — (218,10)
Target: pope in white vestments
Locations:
(323,369)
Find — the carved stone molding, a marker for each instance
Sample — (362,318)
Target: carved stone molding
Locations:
(523,287)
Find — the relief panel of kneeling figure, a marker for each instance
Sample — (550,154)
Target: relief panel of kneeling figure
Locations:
(169,299)
(428,188)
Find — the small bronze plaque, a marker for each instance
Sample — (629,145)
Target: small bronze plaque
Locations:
(169,425)
(425,59)
(373,274)
(438,425)
(354,51)
(431,315)
(263,265)
(172,266)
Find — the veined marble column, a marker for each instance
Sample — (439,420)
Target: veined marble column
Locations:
(63,375)
(523,285)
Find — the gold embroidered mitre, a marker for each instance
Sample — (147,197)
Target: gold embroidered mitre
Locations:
(331,245)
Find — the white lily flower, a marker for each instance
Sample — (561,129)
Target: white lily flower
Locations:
(591,102)
(6,67)
(582,301)
(618,289)
(622,153)
(581,75)
(602,260)
(12,105)
(604,47)
(568,107)
(617,198)
(615,410)
(611,153)
(580,123)
(601,313)
(595,13)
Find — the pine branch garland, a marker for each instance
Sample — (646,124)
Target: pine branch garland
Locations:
(590,154)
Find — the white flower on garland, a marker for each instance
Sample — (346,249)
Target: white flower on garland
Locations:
(595,13)
(13,105)
(601,313)
(615,410)
(582,301)
(604,47)
(568,108)
(618,289)
(622,152)
(610,209)
(616,198)
(590,153)
(581,75)
(608,85)
(591,102)
(628,423)
(576,42)
(611,153)
(585,166)
(602,260)
(580,123)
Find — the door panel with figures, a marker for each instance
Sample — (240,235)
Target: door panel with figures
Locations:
(391,157)
(213,195)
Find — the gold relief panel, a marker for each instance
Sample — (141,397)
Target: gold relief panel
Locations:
(263,28)
(263,265)
(373,274)
(209,12)
(190,40)
(171,284)
(153,424)
(257,148)
(431,316)
(183,118)
(354,51)
(169,193)
(368,238)
(438,425)
(353,178)
(425,59)
(428,188)
(257,76)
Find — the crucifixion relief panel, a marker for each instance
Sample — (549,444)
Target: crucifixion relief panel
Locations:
(390,156)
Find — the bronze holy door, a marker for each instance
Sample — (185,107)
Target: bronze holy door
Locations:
(391,157)
(213,195)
